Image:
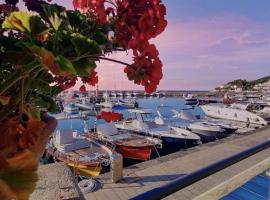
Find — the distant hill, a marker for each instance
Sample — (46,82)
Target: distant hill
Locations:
(246,85)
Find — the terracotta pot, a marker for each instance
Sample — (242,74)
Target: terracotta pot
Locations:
(20,155)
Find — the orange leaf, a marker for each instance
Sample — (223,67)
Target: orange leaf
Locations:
(18,178)
(4,100)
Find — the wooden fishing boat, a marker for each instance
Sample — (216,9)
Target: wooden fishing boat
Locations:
(130,145)
(85,156)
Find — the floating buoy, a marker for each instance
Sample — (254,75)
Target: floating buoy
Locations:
(88,185)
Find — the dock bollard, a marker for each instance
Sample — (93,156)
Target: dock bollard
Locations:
(116,167)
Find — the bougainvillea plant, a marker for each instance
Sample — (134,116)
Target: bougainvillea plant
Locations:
(46,50)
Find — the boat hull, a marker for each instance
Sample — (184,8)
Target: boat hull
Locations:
(229,130)
(206,136)
(84,169)
(233,115)
(89,171)
(136,153)
(180,142)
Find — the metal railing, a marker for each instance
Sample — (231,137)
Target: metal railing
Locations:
(186,180)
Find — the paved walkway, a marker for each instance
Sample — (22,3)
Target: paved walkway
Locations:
(153,173)
(56,181)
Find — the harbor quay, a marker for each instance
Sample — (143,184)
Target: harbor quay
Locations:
(147,175)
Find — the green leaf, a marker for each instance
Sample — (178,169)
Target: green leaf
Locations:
(100,38)
(51,105)
(65,65)
(25,22)
(75,19)
(46,76)
(44,102)
(33,112)
(84,66)
(85,46)
(54,14)
(11,52)
(46,57)
(42,86)
(55,90)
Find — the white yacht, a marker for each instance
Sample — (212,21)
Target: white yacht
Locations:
(113,94)
(71,108)
(191,100)
(134,94)
(106,104)
(207,131)
(128,94)
(127,103)
(119,94)
(235,112)
(141,123)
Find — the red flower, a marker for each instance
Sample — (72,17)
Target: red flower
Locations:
(83,88)
(92,79)
(138,21)
(95,6)
(146,69)
(65,82)
(135,23)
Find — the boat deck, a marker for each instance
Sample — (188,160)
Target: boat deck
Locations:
(150,174)
(87,151)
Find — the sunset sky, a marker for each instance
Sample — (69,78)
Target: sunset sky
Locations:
(206,43)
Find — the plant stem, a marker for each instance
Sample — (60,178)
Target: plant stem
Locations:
(6,110)
(112,60)
(17,76)
(22,92)
(15,100)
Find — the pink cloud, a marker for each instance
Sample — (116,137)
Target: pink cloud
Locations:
(200,54)
(213,46)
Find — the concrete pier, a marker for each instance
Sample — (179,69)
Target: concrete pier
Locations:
(147,175)
(56,181)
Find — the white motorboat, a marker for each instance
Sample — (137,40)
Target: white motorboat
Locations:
(113,94)
(191,100)
(127,103)
(106,104)
(128,94)
(207,131)
(71,108)
(235,112)
(129,144)
(134,94)
(119,94)
(142,124)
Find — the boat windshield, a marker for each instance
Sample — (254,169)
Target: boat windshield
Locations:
(146,117)
(167,112)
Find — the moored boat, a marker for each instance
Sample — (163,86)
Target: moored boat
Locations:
(130,145)
(71,108)
(141,124)
(191,100)
(207,131)
(236,112)
(84,155)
